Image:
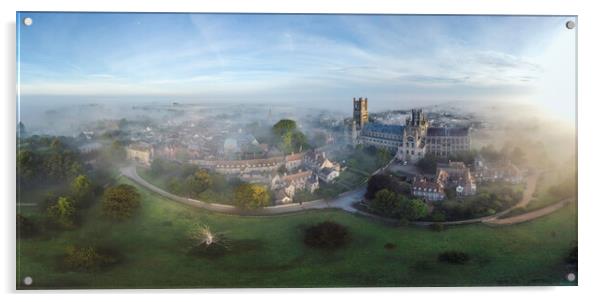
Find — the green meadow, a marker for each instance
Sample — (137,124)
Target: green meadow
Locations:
(269,252)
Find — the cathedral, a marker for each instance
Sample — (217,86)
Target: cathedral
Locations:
(411,141)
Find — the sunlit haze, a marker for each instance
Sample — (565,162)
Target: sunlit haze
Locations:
(323,60)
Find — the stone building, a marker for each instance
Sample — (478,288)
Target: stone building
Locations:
(140,152)
(411,141)
(287,185)
(453,175)
(499,170)
(360,112)
(429,190)
(457,175)
(382,136)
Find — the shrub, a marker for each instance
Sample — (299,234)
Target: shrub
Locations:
(87,258)
(326,235)
(454,257)
(120,202)
(437,227)
(390,246)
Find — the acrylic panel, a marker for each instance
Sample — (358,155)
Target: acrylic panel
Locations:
(194,150)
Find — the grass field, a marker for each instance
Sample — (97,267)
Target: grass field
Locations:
(269,252)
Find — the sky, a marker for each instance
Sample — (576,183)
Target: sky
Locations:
(308,59)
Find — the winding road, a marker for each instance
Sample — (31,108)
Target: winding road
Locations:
(343,201)
(346,200)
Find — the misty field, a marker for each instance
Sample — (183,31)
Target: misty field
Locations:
(269,252)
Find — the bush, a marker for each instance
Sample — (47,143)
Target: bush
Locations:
(454,257)
(326,235)
(390,246)
(437,227)
(120,202)
(87,258)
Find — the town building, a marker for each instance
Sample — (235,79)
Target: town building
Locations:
(499,170)
(428,190)
(140,152)
(326,169)
(286,185)
(453,175)
(457,175)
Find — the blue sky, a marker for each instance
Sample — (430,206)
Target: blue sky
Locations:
(297,58)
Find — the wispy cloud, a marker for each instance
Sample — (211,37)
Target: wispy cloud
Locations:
(292,55)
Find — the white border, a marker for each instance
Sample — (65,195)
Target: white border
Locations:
(588,110)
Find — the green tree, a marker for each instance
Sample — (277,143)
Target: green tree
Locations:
(283,126)
(158,166)
(428,164)
(386,203)
(26,164)
(383,155)
(63,212)
(414,209)
(198,183)
(382,181)
(81,187)
(251,196)
(120,202)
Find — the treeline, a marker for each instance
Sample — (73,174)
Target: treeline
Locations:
(391,198)
(47,160)
(482,204)
(194,182)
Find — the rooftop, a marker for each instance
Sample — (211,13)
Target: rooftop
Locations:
(384,128)
(440,131)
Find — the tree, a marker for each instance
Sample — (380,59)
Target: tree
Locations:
(326,235)
(63,212)
(120,202)
(81,187)
(288,137)
(414,209)
(381,181)
(283,126)
(282,169)
(26,164)
(251,196)
(198,182)
(386,203)
(383,155)
(428,164)
(25,227)
(157,167)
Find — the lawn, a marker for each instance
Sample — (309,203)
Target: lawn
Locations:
(269,252)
